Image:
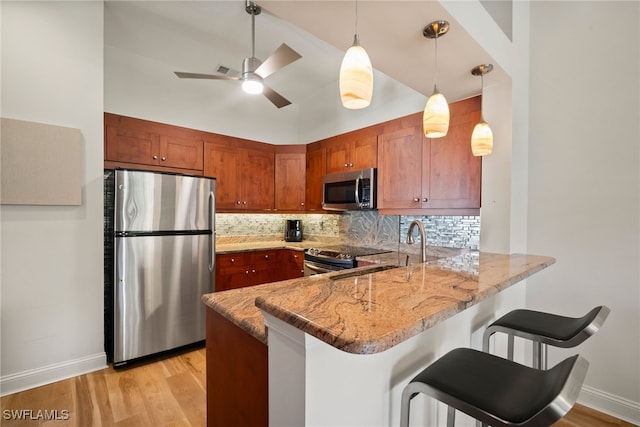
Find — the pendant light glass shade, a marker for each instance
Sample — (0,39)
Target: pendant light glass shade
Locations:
(482,139)
(356,78)
(435,120)
(482,136)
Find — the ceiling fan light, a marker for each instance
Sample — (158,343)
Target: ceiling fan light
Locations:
(252,86)
(435,120)
(356,78)
(482,139)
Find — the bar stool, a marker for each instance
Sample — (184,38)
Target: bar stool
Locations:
(497,391)
(545,329)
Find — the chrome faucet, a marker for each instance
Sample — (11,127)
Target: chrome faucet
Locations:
(423,238)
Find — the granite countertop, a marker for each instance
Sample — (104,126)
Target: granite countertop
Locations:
(226,248)
(372,312)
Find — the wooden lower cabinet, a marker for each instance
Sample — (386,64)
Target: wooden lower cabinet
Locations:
(241,269)
(237,375)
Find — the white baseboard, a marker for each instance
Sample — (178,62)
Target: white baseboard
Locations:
(21,381)
(610,404)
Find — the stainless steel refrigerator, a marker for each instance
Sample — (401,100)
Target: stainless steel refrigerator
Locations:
(164,261)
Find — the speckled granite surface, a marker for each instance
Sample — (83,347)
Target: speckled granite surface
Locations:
(373,312)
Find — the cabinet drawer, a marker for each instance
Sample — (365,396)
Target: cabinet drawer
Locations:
(233,260)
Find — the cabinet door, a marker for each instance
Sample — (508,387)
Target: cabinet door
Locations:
(454,174)
(352,151)
(258,180)
(131,146)
(231,271)
(316,164)
(181,153)
(290,181)
(293,264)
(223,162)
(364,153)
(337,154)
(400,169)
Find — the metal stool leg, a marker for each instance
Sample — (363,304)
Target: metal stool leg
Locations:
(451,416)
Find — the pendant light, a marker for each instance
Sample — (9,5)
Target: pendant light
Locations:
(356,75)
(435,121)
(482,137)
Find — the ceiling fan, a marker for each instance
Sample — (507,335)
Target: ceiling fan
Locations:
(254,71)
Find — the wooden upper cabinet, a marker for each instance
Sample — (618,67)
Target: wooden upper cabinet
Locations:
(223,162)
(244,172)
(316,167)
(290,177)
(454,174)
(258,180)
(353,150)
(130,145)
(417,174)
(400,169)
(177,152)
(130,142)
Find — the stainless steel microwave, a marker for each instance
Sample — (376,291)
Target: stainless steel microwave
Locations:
(351,190)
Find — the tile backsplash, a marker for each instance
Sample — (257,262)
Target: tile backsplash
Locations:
(366,228)
(238,228)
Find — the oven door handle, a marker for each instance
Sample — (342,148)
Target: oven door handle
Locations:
(314,267)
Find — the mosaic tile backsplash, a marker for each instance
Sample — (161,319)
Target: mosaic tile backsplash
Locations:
(354,227)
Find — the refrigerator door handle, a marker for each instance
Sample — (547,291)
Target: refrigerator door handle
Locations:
(212,236)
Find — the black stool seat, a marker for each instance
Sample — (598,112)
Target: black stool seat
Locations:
(497,391)
(546,329)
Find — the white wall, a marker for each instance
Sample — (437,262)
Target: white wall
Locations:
(52,258)
(584,184)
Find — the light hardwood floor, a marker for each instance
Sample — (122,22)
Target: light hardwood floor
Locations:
(166,392)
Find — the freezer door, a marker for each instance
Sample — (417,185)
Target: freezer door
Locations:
(159,281)
(150,201)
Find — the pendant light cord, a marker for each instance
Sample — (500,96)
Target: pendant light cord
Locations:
(435,77)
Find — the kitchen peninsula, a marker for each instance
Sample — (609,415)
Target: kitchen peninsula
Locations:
(341,346)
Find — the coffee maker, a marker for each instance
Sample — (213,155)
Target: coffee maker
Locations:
(293,230)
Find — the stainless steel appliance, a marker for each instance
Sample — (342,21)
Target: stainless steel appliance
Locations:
(293,230)
(334,258)
(352,190)
(164,260)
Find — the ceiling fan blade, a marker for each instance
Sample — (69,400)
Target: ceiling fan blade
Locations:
(275,98)
(184,75)
(280,58)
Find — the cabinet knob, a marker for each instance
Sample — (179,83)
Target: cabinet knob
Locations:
(346,165)
(233,260)
(416,199)
(246,272)
(302,204)
(426,199)
(238,202)
(350,165)
(266,257)
(253,271)
(163,159)
(155,157)
(295,256)
(244,202)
